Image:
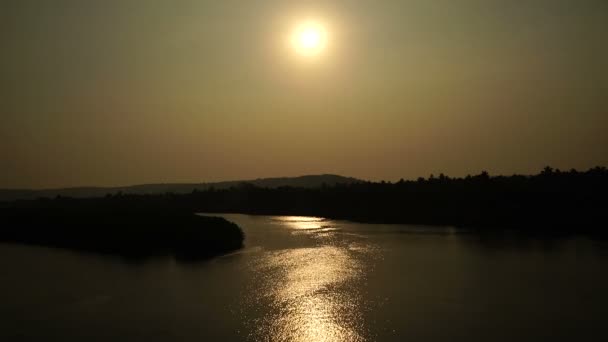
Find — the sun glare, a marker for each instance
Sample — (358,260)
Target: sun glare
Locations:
(309,39)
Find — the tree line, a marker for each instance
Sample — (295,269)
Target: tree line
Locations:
(551,201)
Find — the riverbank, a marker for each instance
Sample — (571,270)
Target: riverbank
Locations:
(134,233)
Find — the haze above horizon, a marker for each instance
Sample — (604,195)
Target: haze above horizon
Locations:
(159,91)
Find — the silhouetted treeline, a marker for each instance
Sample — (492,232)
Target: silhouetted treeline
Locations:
(552,201)
(117,227)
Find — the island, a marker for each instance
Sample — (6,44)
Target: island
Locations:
(110,227)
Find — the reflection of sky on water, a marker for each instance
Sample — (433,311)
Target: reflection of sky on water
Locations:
(311,294)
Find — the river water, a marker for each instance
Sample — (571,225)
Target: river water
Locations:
(311,279)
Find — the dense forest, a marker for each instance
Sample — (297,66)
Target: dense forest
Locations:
(551,201)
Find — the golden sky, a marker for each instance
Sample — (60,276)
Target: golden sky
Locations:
(126,92)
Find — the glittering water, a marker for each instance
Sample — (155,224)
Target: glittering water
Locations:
(312,279)
(310,293)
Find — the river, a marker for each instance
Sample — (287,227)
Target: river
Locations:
(312,279)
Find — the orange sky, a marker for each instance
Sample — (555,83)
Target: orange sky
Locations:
(126,92)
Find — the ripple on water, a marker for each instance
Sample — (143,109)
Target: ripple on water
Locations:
(315,227)
(309,294)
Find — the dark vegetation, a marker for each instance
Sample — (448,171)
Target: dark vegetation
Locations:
(552,202)
(118,228)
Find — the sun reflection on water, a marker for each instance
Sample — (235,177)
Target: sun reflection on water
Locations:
(301,222)
(310,294)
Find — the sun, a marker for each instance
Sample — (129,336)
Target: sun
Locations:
(309,39)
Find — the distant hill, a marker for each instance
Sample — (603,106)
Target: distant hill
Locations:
(312,181)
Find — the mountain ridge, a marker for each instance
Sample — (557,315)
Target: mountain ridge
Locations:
(306,181)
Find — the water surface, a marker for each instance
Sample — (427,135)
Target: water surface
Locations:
(311,279)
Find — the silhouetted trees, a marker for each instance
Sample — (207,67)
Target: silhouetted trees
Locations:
(550,202)
(118,225)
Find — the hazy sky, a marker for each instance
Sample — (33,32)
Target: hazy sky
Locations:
(121,92)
